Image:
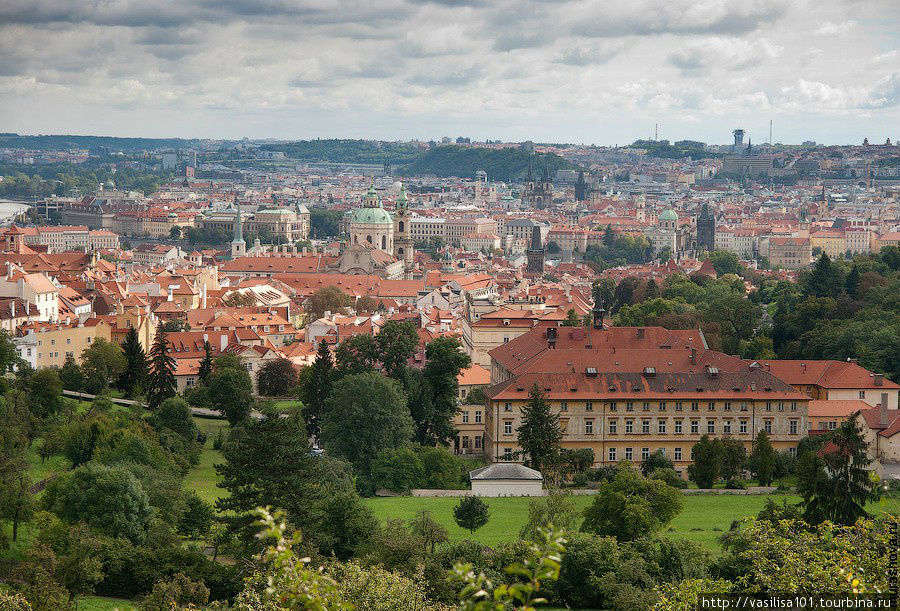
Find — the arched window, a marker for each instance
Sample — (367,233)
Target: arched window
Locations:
(400,251)
(384,242)
(400,227)
(369,239)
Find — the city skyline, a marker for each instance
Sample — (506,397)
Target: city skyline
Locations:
(573,71)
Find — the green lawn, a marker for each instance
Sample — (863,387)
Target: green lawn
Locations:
(100,603)
(285,404)
(202,478)
(703,519)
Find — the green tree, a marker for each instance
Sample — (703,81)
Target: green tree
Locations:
(71,375)
(109,499)
(631,506)
(197,517)
(557,509)
(762,459)
(707,466)
(17,504)
(345,526)
(365,414)
(177,592)
(277,378)
(471,513)
(101,362)
(725,262)
(539,434)
(46,392)
(161,381)
(837,485)
(445,358)
(327,299)
(429,530)
(657,460)
(206,364)
(733,456)
(175,415)
(395,344)
(851,284)
(133,378)
(231,393)
(572,319)
(824,280)
(398,470)
(318,388)
(356,354)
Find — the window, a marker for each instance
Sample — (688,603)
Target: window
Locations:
(646,406)
(793,427)
(477,442)
(711,406)
(564,406)
(792,451)
(662,427)
(68,340)
(645,453)
(726,427)
(52,342)
(695,427)
(677,454)
(478,416)
(465,442)
(710,426)
(507,453)
(662,406)
(767,426)
(645,426)
(793,406)
(677,427)
(862,394)
(507,407)
(629,406)
(781,406)
(612,454)
(465,417)
(692,453)
(768,406)
(629,426)
(589,427)
(507,427)
(612,406)
(589,406)
(628,454)
(743,427)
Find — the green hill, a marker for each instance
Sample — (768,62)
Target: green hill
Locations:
(500,164)
(347,151)
(63,142)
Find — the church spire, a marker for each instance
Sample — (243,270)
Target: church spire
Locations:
(238,246)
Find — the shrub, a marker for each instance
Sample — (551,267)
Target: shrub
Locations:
(670,477)
(398,470)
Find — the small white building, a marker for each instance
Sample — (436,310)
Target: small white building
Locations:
(506,479)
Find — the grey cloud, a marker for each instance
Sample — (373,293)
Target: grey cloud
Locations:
(448,78)
(588,56)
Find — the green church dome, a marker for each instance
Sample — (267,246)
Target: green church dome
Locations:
(668,215)
(371,216)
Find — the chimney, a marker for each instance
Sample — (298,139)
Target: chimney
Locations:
(12,308)
(640,333)
(693,356)
(878,379)
(883,412)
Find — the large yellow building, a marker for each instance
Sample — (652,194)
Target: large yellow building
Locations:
(43,344)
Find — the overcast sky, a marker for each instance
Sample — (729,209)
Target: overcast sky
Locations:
(591,71)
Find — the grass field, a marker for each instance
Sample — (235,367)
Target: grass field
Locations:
(202,478)
(703,519)
(99,603)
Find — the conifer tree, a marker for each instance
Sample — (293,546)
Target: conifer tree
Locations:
(318,389)
(206,364)
(539,433)
(162,372)
(133,378)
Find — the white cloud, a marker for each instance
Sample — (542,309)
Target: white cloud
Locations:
(835,29)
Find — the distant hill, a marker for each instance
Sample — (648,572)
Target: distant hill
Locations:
(347,151)
(63,142)
(500,164)
(681,149)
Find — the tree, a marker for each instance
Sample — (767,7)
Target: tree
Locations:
(725,262)
(318,388)
(327,299)
(398,470)
(572,319)
(762,459)
(161,382)
(133,378)
(539,433)
(46,392)
(345,525)
(631,506)
(437,390)
(428,530)
(707,465)
(71,375)
(176,325)
(824,280)
(231,393)
(197,517)
(365,414)
(178,592)
(837,485)
(733,456)
(356,354)
(657,460)
(556,509)
(471,513)
(206,364)
(851,284)
(109,499)
(277,378)
(175,415)
(395,344)
(101,362)
(175,233)
(16,501)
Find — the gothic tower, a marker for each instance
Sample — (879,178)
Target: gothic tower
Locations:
(706,229)
(403,242)
(580,188)
(535,253)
